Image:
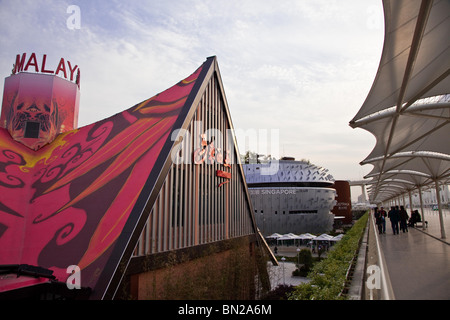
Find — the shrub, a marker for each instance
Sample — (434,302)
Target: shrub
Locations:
(328,276)
(305,262)
(305,258)
(301,272)
(281,292)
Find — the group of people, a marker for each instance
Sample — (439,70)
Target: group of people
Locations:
(398,217)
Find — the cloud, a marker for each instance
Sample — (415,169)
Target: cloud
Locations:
(304,67)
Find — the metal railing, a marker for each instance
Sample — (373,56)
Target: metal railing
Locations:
(385,289)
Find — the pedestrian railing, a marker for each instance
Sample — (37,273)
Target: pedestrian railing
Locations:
(379,276)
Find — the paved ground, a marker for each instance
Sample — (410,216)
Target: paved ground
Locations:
(282,274)
(434,226)
(418,262)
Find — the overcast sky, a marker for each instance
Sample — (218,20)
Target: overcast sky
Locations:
(303,67)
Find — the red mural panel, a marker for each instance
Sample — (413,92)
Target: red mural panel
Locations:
(67,203)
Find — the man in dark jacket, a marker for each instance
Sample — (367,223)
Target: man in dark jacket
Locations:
(394,216)
(403,219)
(378,220)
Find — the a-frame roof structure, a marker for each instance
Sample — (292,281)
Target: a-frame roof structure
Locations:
(84,199)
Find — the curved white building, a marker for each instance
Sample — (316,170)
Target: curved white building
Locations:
(298,198)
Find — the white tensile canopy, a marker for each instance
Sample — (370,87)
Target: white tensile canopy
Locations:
(288,236)
(274,236)
(323,237)
(307,236)
(408,106)
(337,238)
(304,236)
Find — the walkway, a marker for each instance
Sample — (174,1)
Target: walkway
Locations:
(434,226)
(418,262)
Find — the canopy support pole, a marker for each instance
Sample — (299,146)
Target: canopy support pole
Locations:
(410,201)
(441,219)
(363,191)
(421,207)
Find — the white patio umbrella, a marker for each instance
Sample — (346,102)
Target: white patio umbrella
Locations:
(323,237)
(274,236)
(337,238)
(307,236)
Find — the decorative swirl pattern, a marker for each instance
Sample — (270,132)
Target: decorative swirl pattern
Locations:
(14,157)
(74,196)
(51,174)
(8,179)
(11,181)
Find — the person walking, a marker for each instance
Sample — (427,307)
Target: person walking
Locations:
(383,215)
(393,215)
(403,219)
(378,221)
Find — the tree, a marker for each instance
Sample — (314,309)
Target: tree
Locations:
(305,258)
(305,262)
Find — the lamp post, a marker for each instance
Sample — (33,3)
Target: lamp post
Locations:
(283,259)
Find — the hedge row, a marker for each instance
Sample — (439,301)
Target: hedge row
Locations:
(327,277)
